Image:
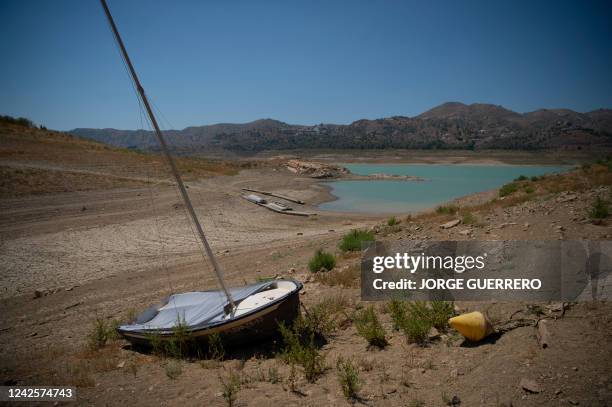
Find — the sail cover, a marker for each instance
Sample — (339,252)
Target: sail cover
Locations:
(196,309)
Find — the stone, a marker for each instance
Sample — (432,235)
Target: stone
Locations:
(451,224)
(433,333)
(503,225)
(457,372)
(530,386)
(40,292)
(455,401)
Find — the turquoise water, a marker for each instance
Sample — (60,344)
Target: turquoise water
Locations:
(442,184)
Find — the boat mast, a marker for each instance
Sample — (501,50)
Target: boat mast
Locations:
(173,167)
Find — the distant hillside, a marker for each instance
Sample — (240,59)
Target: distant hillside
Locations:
(38,161)
(451,125)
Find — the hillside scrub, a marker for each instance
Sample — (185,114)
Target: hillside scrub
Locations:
(447,210)
(322,260)
(600,209)
(370,328)
(508,189)
(353,241)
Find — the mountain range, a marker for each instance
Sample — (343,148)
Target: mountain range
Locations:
(452,125)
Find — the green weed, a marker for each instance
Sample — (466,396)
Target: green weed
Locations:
(508,189)
(322,260)
(231,386)
(369,327)
(600,209)
(353,241)
(447,210)
(348,376)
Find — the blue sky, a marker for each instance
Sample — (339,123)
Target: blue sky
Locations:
(304,62)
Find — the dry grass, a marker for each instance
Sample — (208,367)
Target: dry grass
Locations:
(51,161)
(15,182)
(349,277)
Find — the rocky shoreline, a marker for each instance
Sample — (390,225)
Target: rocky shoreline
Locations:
(319,170)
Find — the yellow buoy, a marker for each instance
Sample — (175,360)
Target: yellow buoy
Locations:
(474,325)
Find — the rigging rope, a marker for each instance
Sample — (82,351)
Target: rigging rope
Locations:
(169,158)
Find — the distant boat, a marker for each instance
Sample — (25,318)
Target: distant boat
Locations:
(239,314)
(255,199)
(275,206)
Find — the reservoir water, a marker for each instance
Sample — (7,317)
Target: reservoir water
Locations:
(442,183)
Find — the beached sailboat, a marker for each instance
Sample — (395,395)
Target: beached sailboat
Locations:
(241,313)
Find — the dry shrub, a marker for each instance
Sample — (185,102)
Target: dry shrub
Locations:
(349,277)
(348,377)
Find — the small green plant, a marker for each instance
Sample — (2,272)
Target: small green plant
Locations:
(231,387)
(418,318)
(273,376)
(447,210)
(528,189)
(178,344)
(416,403)
(156,343)
(599,209)
(417,324)
(322,260)
(369,327)
(113,325)
(292,380)
(301,349)
(392,221)
(131,316)
(348,376)
(508,189)
(439,314)
(173,369)
(416,329)
(521,178)
(318,321)
(99,335)
(534,178)
(353,241)
(469,219)
(215,347)
(397,310)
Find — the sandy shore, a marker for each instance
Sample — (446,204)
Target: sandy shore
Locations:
(67,239)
